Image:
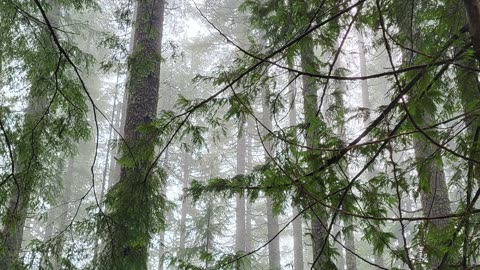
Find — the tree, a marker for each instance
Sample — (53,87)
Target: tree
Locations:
(240,218)
(272,218)
(131,229)
(48,118)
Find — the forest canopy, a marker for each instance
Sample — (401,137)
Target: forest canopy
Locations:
(239,134)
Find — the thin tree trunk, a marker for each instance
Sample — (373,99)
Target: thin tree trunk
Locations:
(367,105)
(209,236)
(186,200)
(131,228)
(108,161)
(248,217)
(297,223)
(337,121)
(340,263)
(240,199)
(310,99)
(272,219)
(274,246)
(64,215)
(161,251)
(53,213)
(115,170)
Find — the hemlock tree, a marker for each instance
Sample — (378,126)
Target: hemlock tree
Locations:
(130,230)
(49,117)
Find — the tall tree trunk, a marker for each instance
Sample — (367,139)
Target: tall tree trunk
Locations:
(274,246)
(350,257)
(249,214)
(240,198)
(433,186)
(473,14)
(469,92)
(435,201)
(337,119)
(310,106)
(186,200)
(340,259)
(161,251)
(367,106)
(107,166)
(18,202)
(272,219)
(297,223)
(64,216)
(108,161)
(131,229)
(209,234)
(115,169)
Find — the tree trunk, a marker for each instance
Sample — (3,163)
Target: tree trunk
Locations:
(469,92)
(108,159)
(367,106)
(272,220)
(161,251)
(319,214)
(433,186)
(274,246)
(111,135)
(240,199)
(19,199)
(297,223)
(115,169)
(337,119)
(186,200)
(131,229)
(64,215)
(249,214)
(340,259)
(350,257)
(473,15)
(435,201)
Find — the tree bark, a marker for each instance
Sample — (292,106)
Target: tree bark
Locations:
(297,223)
(272,220)
(350,257)
(18,201)
(435,201)
(185,202)
(433,188)
(310,105)
(473,14)
(367,106)
(161,251)
(131,228)
(115,170)
(249,214)
(65,212)
(240,199)
(340,259)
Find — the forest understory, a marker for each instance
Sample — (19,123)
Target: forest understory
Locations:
(239,134)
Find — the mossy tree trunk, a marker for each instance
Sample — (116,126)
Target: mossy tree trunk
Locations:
(138,188)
